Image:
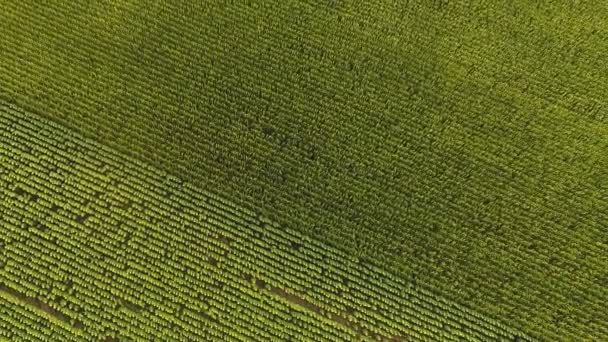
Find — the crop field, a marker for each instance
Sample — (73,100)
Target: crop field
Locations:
(98,245)
(293,170)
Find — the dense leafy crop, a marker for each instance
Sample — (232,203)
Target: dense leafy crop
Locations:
(97,245)
(462,145)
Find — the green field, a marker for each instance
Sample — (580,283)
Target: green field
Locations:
(121,249)
(460,149)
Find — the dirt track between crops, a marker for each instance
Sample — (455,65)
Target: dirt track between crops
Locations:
(340,319)
(34,302)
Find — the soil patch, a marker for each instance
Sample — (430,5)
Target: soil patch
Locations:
(40,305)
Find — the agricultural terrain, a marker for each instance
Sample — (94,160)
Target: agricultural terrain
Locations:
(98,245)
(306,170)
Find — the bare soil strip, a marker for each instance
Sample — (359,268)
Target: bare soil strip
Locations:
(318,310)
(38,304)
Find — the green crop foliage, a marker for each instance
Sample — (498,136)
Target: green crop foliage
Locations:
(461,147)
(119,249)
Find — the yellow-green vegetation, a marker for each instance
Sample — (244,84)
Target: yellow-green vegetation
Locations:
(461,146)
(97,246)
